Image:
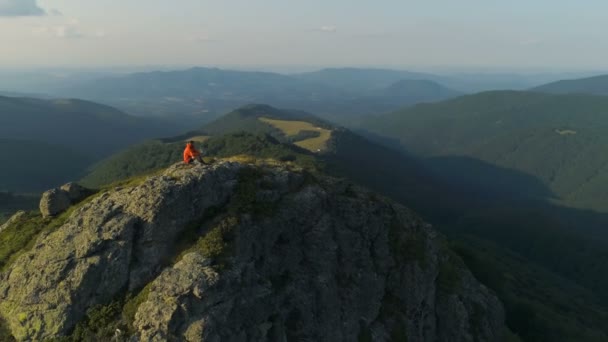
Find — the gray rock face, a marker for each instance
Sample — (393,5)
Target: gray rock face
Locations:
(330,264)
(116,241)
(281,257)
(56,201)
(53,202)
(75,192)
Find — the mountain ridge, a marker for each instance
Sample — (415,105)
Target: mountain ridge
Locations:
(493,211)
(45,142)
(362,79)
(346,154)
(88,123)
(595,85)
(115,241)
(202,94)
(516,130)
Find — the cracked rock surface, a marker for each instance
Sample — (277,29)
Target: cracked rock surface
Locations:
(307,260)
(116,241)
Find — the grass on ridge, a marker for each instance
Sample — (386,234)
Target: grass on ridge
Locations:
(293,128)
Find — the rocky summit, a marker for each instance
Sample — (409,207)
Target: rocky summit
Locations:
(243,251)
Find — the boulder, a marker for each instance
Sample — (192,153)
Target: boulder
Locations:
(54,202)
(75,191)
(58,200)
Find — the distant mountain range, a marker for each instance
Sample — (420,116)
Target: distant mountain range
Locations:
(363,80)
(597,85)
(85,126)
(202,94)
(94,131)
(45,142)
(399,94)
(199,94)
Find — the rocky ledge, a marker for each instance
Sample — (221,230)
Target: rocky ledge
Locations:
(240,252)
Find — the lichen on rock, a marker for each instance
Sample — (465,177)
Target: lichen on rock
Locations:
(240,252)
(58,200)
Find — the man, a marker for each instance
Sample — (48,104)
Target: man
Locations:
(191,154)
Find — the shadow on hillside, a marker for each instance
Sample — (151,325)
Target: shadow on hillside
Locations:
(515,210)
(441,189)
(383,140)
(485,180)
(463,185)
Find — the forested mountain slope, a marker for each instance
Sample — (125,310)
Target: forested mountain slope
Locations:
(558,139)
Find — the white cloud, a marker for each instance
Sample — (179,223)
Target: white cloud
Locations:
(328,28)
(20,8)
(70,30)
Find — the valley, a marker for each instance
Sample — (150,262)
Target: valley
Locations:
(482,168)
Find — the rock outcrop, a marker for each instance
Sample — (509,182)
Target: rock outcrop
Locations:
(75,191)
(58,200)
(16,217)
(53,202)
(235,252)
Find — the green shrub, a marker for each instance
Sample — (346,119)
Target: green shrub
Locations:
(213,235)
(132,303)
(5,333)
(100,323)
(215,244)
(245,195)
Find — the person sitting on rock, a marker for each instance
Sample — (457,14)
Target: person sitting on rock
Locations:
(191,154)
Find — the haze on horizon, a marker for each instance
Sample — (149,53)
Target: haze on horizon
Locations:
(547,35)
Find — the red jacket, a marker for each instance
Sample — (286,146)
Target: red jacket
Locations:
(190,153)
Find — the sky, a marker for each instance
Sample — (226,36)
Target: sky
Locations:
(516,34)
